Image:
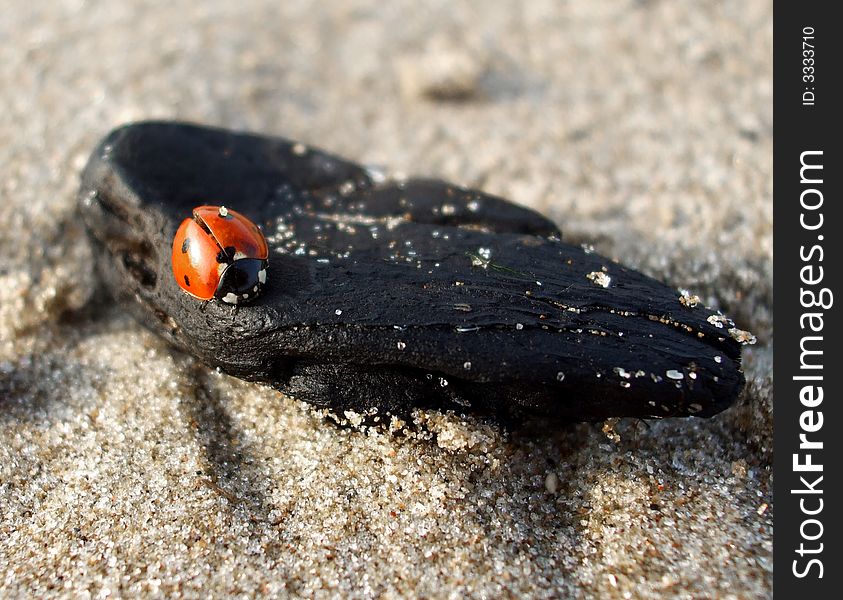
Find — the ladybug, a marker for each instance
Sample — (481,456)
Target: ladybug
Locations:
(219,253)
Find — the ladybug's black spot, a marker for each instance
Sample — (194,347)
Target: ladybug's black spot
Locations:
(186,281)
(226,255)
(185,245)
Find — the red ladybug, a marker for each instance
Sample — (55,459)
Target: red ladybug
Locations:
(219,253)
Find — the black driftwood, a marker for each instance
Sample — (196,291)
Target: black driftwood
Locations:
(393,295)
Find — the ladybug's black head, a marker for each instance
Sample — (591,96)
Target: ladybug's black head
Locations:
(242,281)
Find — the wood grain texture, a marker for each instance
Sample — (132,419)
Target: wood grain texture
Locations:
(397,294)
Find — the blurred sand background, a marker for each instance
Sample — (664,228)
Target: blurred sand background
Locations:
(641,127)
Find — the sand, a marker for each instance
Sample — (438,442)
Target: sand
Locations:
(642,128)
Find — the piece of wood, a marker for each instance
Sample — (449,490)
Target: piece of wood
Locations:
(391,295)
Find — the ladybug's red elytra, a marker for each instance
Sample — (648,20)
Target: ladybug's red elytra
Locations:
(219,253)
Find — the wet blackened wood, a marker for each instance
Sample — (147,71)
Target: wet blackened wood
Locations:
(391,295)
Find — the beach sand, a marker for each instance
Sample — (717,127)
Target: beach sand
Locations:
(642,128)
